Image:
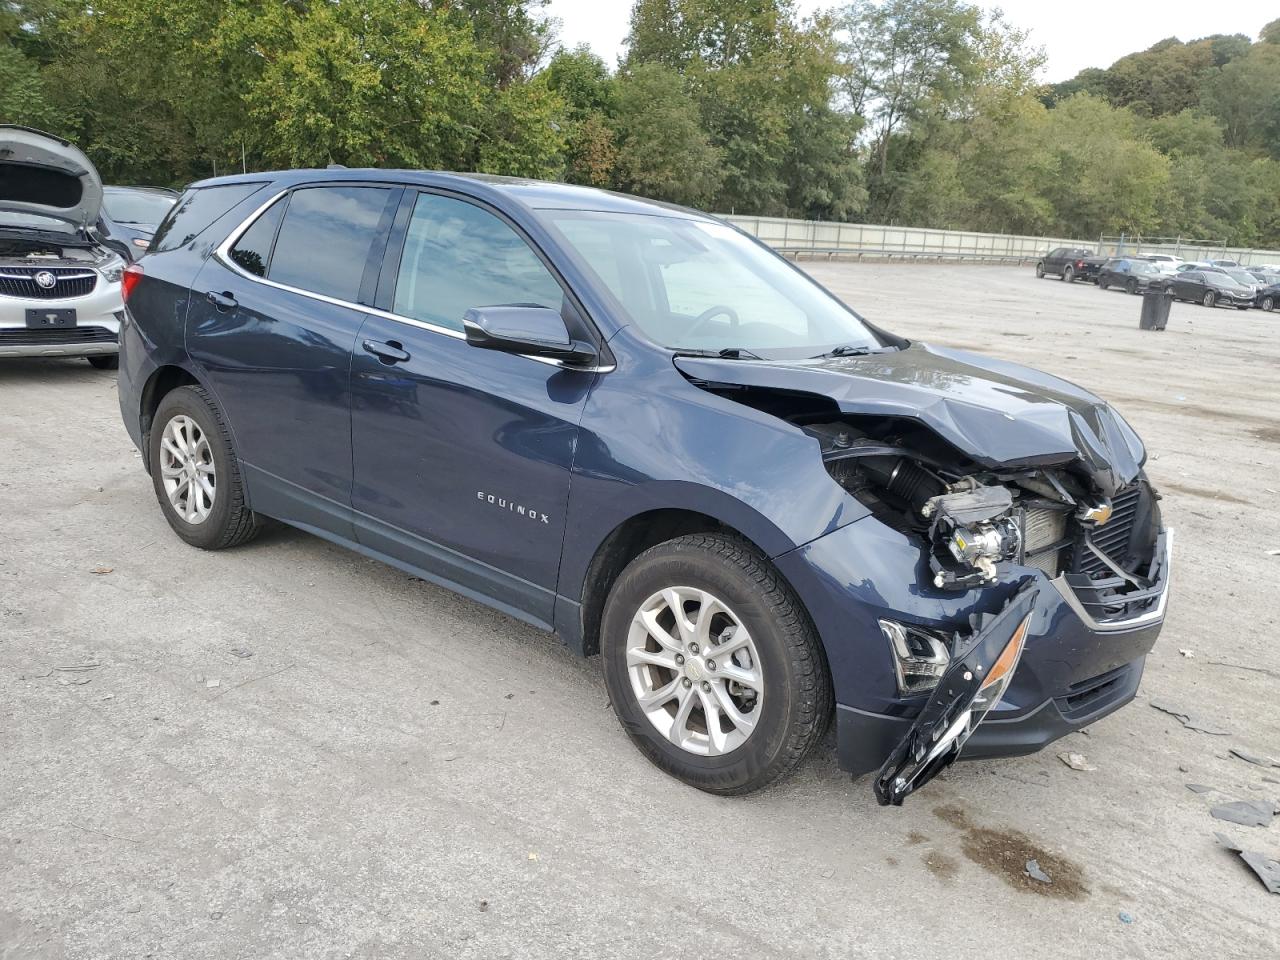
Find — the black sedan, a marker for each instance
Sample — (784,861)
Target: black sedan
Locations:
(1210,288)
(1129,274)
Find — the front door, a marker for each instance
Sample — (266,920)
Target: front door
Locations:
(462,456)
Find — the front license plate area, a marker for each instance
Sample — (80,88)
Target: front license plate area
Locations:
(38,319)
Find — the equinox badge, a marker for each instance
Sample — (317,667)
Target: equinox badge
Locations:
(519,509)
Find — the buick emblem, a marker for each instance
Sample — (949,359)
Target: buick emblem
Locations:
(45,280)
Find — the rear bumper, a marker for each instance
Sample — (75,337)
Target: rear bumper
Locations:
(1078,665)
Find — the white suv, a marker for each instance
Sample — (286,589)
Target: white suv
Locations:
(59,287)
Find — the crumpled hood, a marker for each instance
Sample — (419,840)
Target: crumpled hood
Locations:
(998,414)
(46,183)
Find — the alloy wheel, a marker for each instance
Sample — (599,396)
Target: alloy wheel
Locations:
(187,469)
(695,671)
(1208,299)
(1267,304)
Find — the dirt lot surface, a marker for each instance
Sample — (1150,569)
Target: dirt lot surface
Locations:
(286,750)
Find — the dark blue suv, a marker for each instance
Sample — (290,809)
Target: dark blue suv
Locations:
(635,426)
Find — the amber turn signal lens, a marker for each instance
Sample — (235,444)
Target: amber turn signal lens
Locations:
(1008,659)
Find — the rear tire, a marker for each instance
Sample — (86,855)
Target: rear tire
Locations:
(1102,284)
(106,361)
(196,474)
(1069,274)
(752,612)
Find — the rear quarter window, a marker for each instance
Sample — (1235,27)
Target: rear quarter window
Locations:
(196,210)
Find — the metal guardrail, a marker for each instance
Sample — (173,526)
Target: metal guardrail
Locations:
(830,239)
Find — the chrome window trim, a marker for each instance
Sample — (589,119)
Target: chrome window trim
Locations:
(223,253)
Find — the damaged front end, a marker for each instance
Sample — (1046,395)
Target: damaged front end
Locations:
(981,669)
(1013,511)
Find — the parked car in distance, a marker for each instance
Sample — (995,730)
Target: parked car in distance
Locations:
(1210,288)
(1166,263)
(634,425)
(1268,295)
(60,292)
(1224,263)
(1243,277)
(130,216)
(1070,264)
(1129,274)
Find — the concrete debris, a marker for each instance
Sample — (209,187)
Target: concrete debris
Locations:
(1253,758)
(1076,761)
(1247,813)
(1035,873)
(1267,869)
(1190,720)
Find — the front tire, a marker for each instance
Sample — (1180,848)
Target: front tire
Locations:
(1102,283)
(1132,287)
(196,474)
(1268,304)
(1039,271)
(1210,298)
(712,665)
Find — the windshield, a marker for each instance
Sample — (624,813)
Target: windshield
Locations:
(136,207)
(697,285)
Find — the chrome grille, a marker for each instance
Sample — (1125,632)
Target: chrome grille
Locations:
(1040,529)
(1113,537)
(67,282)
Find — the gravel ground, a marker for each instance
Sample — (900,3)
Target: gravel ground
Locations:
(288,750)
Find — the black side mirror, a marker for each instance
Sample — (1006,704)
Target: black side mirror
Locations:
(526,329)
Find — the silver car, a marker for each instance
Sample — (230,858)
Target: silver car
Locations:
(59,286)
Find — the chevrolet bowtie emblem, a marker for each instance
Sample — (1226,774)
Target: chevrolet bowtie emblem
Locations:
(1096,515)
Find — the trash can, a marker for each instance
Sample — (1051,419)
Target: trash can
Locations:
(1155,308)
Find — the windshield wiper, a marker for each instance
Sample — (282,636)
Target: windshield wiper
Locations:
(846,350)
(726,353)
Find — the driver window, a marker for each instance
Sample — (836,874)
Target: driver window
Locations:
(458,256)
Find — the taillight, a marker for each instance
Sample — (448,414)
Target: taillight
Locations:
(132,274)
(1079,264)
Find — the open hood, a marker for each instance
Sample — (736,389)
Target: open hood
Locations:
(998,414)
(46,183)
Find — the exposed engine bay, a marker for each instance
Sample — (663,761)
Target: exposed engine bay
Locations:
(971,518)
(23,252)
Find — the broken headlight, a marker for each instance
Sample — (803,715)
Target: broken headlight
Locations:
(920,657)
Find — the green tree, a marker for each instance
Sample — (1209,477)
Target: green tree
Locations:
(662,150)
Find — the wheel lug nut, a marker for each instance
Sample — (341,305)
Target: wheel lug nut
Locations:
(693,648)
(706,686)
(711,664)
(679,658)
(687,683)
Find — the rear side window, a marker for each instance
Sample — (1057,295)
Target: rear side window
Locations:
(252,252)
(458,256)
(324,241)
(1056,254)
(196,210)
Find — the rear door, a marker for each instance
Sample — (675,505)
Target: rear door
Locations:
(273,323)
(462,455)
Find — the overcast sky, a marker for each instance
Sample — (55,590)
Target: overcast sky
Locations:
(1075,34)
